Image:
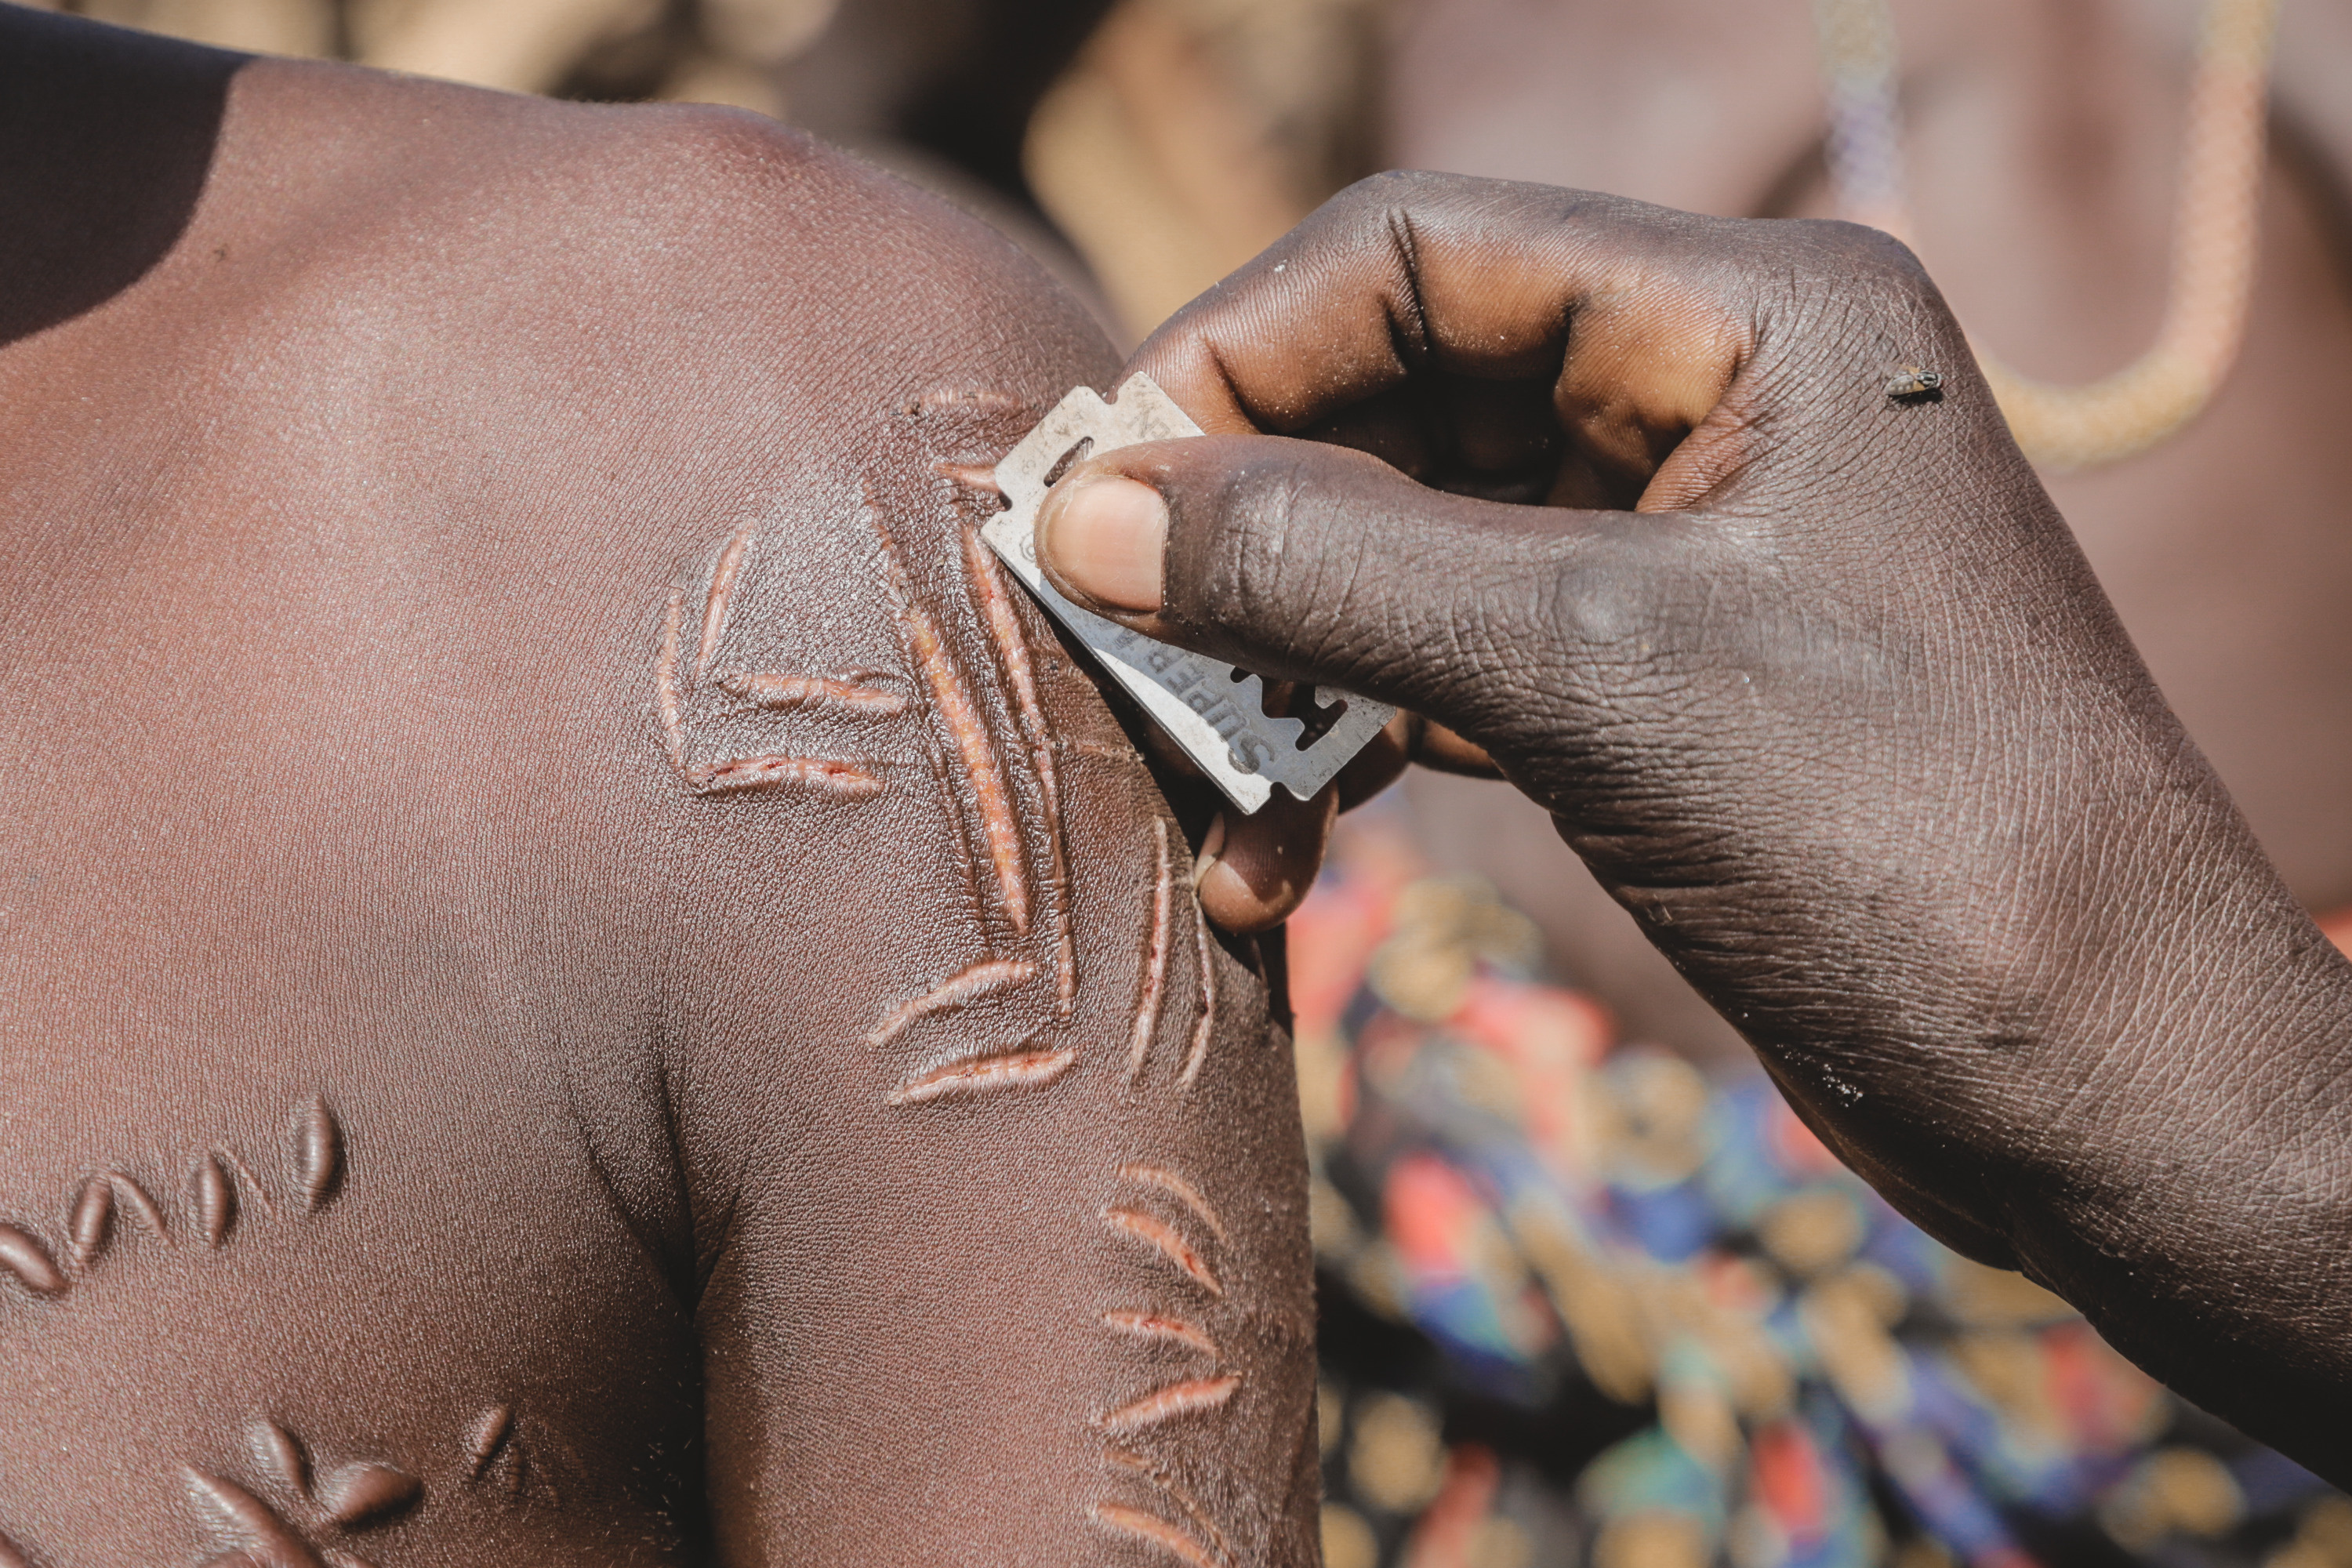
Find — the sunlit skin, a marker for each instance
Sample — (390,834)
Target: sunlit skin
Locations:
(579,983)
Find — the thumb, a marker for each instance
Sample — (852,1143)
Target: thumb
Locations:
(1308,562)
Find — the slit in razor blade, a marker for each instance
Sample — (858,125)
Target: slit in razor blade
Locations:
(1246,737)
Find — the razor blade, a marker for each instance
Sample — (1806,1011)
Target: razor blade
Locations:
(1216,712)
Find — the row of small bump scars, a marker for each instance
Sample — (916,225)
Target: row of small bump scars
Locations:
(104,1202)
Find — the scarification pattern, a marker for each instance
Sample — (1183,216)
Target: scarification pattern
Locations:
(986,978)
(496,1459)
(1136,1464)
(29,1263)
(1171,1401)
(281,1453)
(668,700)
(822,775)
(353,1497)
(101,1205)
(214,1195)
(723,578)
(979,476)
(1177,1187)
(244,1172)
(826,776)
(1155,952)
(1162,1326)
(995,599)
(847,691)
(1170,1537)
(1205,1025)
(992,795)
(92,1226)
(984,1074)
(318,1142)
(1169,1243)
(487,1439)
(1177,1245)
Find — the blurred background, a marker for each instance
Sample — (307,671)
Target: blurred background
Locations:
(1590,1293)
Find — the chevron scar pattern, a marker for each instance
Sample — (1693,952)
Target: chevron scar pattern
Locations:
(111,1206)
(1011,817)
(676,684)
(259,1533)
(1181,1529)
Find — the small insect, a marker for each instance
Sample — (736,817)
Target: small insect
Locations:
(1913,382)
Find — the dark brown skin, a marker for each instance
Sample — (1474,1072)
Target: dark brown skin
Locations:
(451,1114)
(1818,684)
(2043,140)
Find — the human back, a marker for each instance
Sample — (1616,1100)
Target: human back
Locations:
(582,982)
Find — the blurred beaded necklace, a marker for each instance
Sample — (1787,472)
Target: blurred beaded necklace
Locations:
(2215,215)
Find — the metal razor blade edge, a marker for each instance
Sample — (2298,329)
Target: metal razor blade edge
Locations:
(1215,710)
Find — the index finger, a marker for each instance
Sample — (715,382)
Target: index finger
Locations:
(1629,310)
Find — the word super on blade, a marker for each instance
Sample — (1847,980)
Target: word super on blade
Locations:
(1215,710)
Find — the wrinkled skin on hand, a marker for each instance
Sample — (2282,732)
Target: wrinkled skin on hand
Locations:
(1816,681)
(577,984)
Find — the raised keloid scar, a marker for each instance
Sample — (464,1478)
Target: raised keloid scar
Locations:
(987,978)
(975,748)
(1208,1547)
(1155,951)
(985,1072)
(257,1533)
(852,692)
(111,1202)
(995,599)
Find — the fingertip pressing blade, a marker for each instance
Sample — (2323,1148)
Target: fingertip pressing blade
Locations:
(1216,712)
